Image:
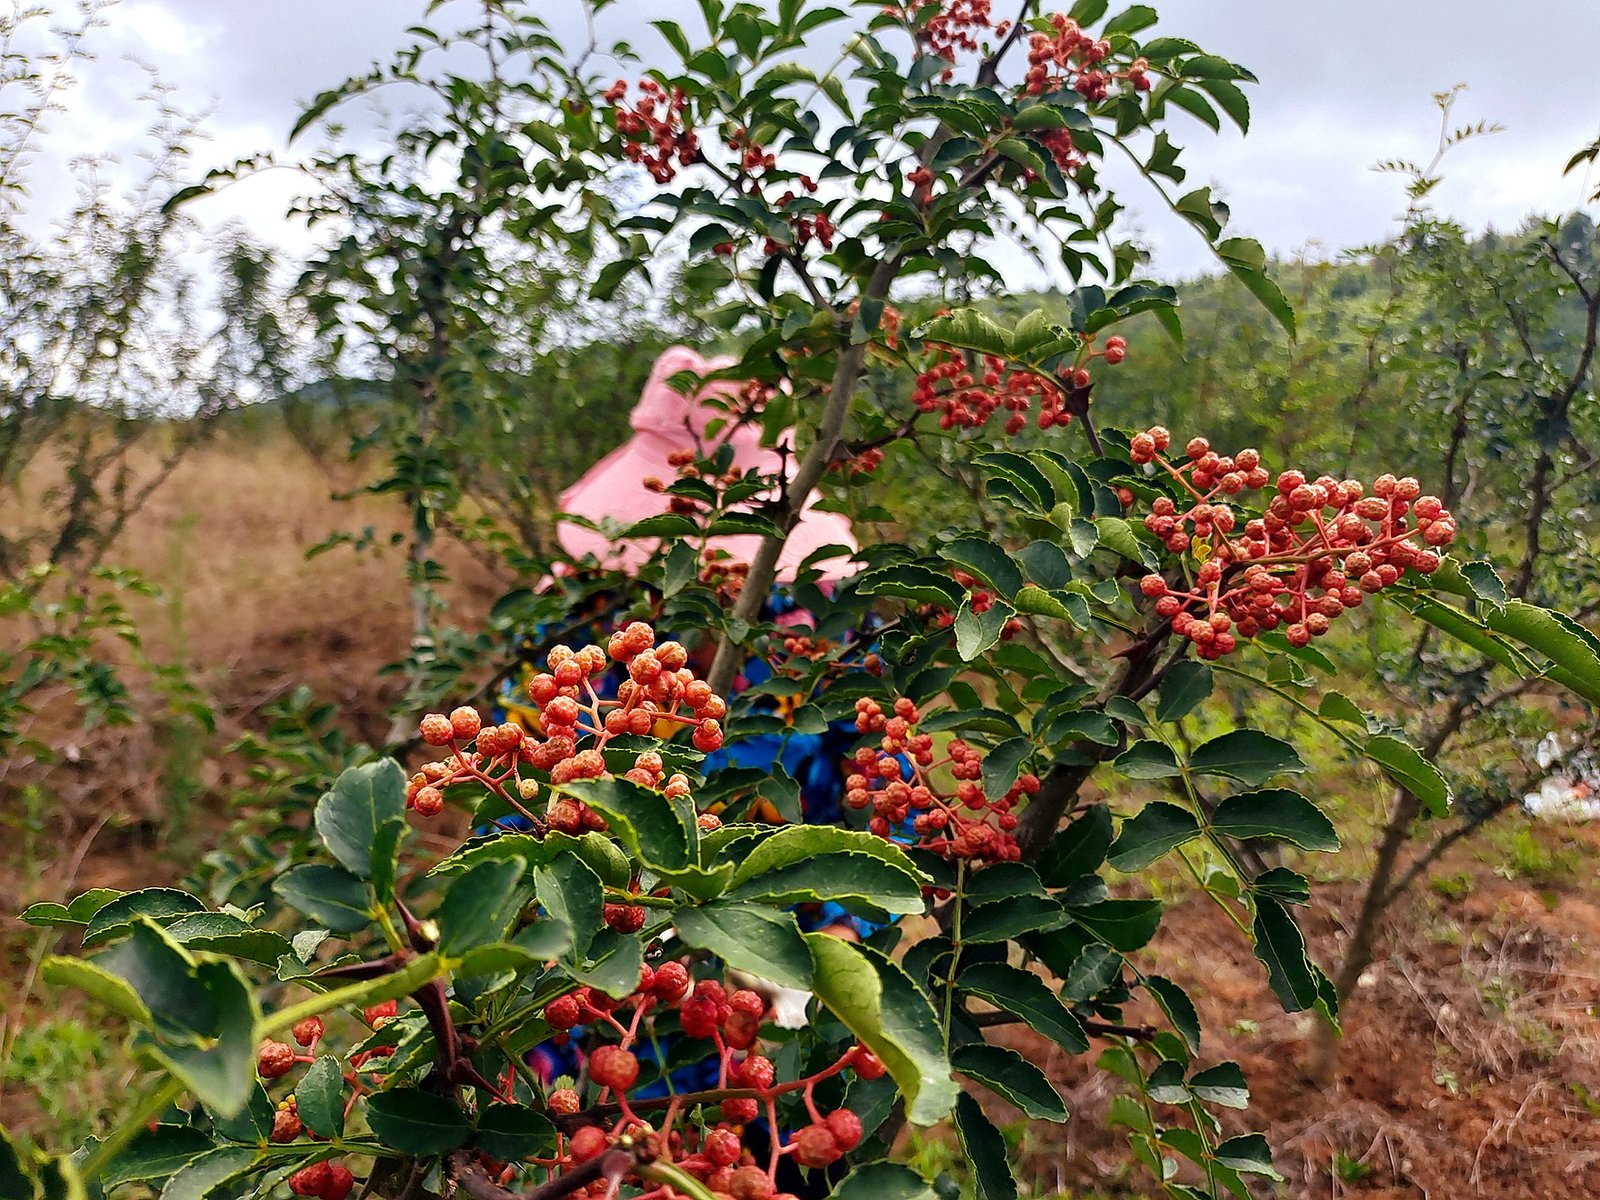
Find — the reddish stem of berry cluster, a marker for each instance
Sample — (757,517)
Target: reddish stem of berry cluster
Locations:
(577,725)
(897,779)
(747,1088)
(1317,549)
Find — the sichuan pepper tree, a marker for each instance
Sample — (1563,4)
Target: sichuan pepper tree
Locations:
(375,1028)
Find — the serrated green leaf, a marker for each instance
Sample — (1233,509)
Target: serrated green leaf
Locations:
(1248,755)
(1279,813)
(1023,994)
(877,1001)
(1403,763)
(479,906)
(1154,830)
(417,1123)
(319,1097)
(330,896)
(1009,1075)
(759,939)
(362,801)
(660,832)
(985,1149)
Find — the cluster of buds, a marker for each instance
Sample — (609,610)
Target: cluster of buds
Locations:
(747,1087)
(653,128)
(900,779)
(1318,548)
(577,725)
(967,400)
(327,1179)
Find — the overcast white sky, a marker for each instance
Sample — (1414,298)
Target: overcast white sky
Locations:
(1342,86)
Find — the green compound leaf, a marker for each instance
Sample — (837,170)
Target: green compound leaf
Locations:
(571,893)
(1154,830)
(1403,763)
(661,833)
(330,896)
(479,906)
(883,1181)
(319,1097)
(115,919)
(1023,994)
(1282,950)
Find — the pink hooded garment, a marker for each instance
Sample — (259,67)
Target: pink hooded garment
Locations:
(664,421)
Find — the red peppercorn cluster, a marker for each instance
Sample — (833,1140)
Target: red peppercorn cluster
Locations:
(577,725)
(956,27)
(747,1085)
(653,128)
(1318,548)
(966,400)
(1070,58)
(898,779)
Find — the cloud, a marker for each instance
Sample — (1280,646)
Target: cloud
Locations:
(1342,86)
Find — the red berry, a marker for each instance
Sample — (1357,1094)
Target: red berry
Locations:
(751,1183)
(625,918)
(275,1059)
(310,1181)
(465,723)
(309,1031)
(588,1142)
(815,1146)
(722,1147)
(563,1101)
(867,1064)
(378,1013)
(436,729)
(339,1184)
(671,982)
(429,802)
(614,1067)
(757,1071)
(741,1111)
(563,1012)
(699,1015)
(286,1124)
(846,1128)
(740,1030)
